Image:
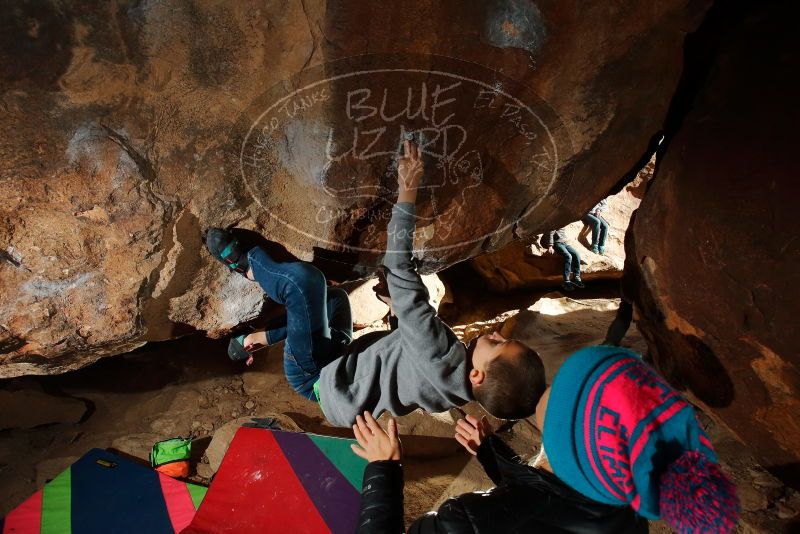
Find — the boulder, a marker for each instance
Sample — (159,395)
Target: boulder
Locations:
(367,309)
(556,326)
(29,408)
(128,128)
(524,265)
(139,444)
(713,275)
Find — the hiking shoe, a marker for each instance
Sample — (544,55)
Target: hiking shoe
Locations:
(596,249)
(567,285)
(602,250)
(577,282)
(225,247)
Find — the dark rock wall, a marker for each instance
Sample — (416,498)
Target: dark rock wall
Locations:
(716,241)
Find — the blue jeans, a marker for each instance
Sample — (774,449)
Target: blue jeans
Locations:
(599,228)
(572,261)
(318,319)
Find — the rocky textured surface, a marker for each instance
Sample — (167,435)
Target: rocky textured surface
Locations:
(29,408)
(556,326)
(367,309)
(714,269)
(129,127)
(521,265)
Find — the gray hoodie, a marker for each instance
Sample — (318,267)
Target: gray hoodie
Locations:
(555,236)
(421,364)
(600,207)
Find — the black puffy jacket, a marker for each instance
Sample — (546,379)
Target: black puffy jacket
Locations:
(525,499)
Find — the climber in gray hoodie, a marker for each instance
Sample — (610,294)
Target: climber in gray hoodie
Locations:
(420,364)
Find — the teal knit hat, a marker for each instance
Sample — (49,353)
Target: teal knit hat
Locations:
(618,433)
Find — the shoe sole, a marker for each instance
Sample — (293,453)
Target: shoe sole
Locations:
(220,235)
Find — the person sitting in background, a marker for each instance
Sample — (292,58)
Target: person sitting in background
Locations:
(594,220)
(619,446)
(556,241)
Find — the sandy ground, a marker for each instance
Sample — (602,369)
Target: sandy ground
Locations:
(189,386)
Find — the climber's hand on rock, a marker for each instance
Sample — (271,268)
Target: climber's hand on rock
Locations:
(550,250)
(409,172)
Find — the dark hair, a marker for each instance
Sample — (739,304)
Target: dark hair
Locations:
(512,386)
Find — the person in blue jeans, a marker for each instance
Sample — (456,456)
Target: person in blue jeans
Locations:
(419,364)
(594,220)
(556,241)
(318,319)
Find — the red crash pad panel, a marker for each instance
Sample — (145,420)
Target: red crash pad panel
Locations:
(275,481)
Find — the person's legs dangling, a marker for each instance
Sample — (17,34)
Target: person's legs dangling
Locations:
(575,267)
(562,249)
(575,262)
(594,223)
(601,243)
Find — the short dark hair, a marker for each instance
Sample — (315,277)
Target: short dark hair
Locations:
(512,386)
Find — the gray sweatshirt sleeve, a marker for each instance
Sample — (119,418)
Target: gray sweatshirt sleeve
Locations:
(423,333)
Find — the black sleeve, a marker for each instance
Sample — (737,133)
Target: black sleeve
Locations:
(547,239)
(451,518)
(382,499)
(492,453)
(382,506)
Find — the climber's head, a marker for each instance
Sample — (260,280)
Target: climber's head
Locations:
(507,376)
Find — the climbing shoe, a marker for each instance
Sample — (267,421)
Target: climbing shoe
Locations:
(224,246)
(567,285)
(602,250)
(577,282)
(596,249)
(237,351)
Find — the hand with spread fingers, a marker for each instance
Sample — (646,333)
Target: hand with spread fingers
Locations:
(470,432)
(409,172)
(374,443)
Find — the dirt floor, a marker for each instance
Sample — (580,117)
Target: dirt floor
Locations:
(189,387)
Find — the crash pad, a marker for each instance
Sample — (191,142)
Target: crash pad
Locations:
(277,481)
(103,493)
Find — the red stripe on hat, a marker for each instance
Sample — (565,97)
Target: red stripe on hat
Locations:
(179,503)
(25,518)
(587,419)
